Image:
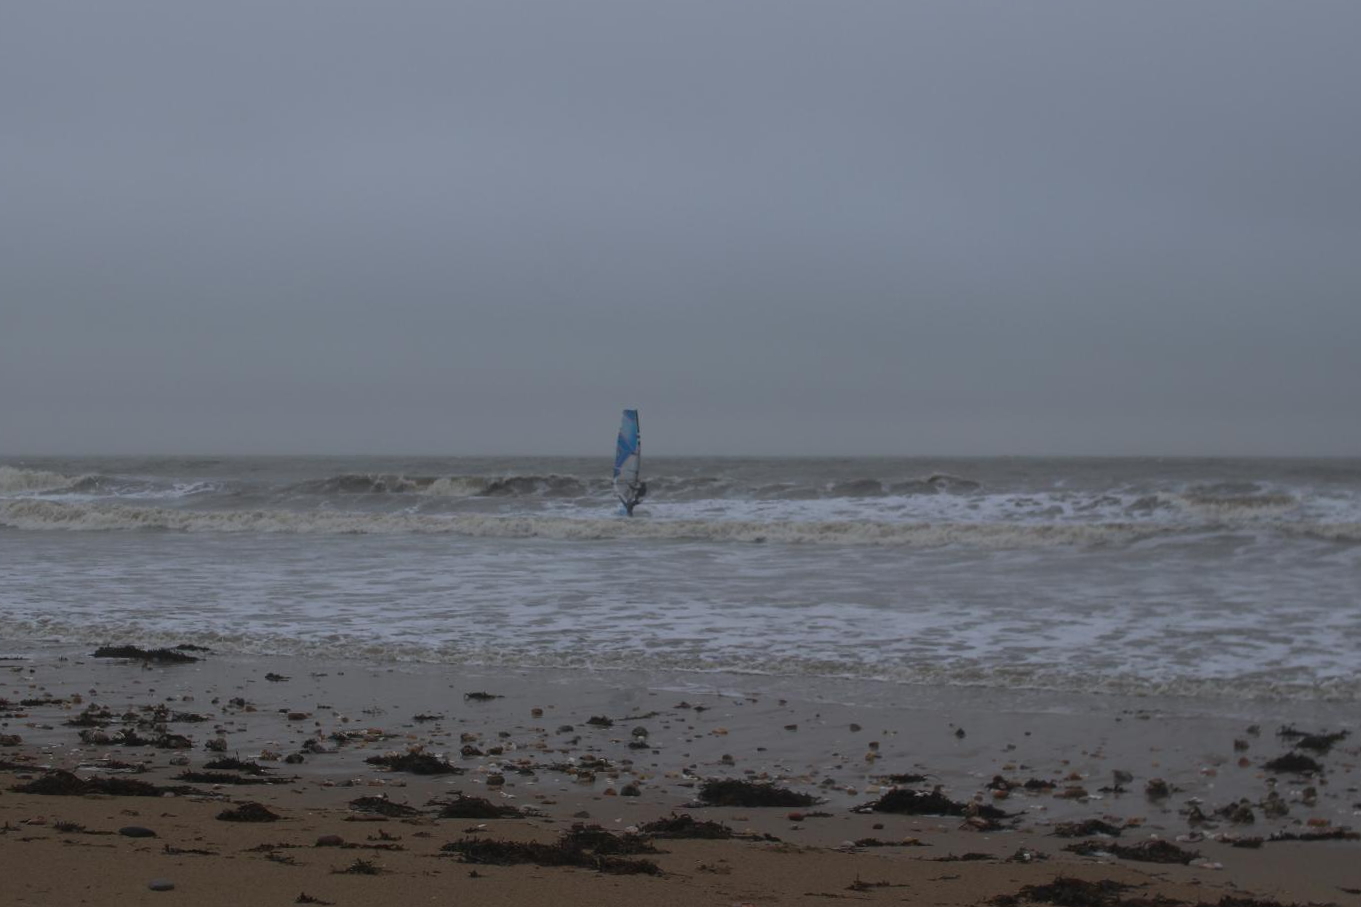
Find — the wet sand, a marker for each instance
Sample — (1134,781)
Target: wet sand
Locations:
(624,750)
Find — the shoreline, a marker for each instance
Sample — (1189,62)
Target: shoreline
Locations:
(623,750)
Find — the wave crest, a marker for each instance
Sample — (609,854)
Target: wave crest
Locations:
(16,479)
(41,514)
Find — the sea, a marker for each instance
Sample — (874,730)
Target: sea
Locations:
(1216,579)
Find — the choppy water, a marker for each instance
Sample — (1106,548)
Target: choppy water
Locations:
(1214,578)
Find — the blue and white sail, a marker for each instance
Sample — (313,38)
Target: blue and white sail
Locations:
(628,462)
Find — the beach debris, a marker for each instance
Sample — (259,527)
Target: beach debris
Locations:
(1086,829)
(1067,891)
(733,792)
(160,656)
(360,867)
(136,831)
(970,857)
(10,740)
(305,898)
(227,778)
(685,826)
(60,783)
(1341,833)
(1274,806)
(423,717)
(1026,855)
(276,678)
(232,764)
(187,851)
(249,812)
(481,697)
(600,721)
(602,842)
(929,803)
(416,763)
(1158,789)
(383,806)
(911,779)
(861,885)
(91,716)
(465,807)
(578,847)
(330,841)
(1151,851)
(130,737)
(1239,813)
(161,885)
(159,715)
(1293,764)
(1321,742)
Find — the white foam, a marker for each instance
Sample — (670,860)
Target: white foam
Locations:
(14,479)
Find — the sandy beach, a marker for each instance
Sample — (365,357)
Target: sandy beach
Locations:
(1004,793)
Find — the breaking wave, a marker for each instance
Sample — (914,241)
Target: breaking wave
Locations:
(553,485)
(44,514)
(484,653)
(449,486)
(14,479)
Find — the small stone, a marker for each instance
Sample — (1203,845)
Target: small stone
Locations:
(161,885)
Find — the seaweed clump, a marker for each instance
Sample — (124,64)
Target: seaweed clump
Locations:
(1083,829)
(730,792)
(1293,764)
(416,764)
(1320,743)
(382,806)
(464,807)
(161,656)
(589,847)
(1143,852)
(232,764)
(686,827)
(929,803)
(249,812)
(64,784)
(1066,891)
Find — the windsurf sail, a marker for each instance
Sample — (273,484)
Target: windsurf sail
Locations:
(628,462)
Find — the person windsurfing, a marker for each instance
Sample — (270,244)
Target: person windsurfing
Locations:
(628,454)
(636,495)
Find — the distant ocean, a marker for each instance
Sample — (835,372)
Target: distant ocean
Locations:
(1218,578)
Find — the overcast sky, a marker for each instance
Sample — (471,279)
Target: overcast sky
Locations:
(776,227)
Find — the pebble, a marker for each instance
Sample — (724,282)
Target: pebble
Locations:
(161,885)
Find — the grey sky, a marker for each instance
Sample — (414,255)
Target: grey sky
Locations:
(837,227)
